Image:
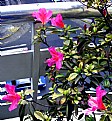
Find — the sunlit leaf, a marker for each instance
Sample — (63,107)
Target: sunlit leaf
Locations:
(28,91)
(59,75)
(39,115)
(67,42)
(72,76)
(103,118)
(110,117)
(56,95)
(61,90)
(62,101)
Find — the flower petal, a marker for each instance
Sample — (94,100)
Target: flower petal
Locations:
(56,58)
(42,15)
(58,65)
(88,111)
(10,88)
(57,21)
(12,97)
(13,105)
(100,93)
(92,102)
(101,105)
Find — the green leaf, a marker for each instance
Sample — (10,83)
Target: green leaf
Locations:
(72,76)
(63,38)
(28,91)
(110,76)
(61,90)
(89,118)
(51,28)
(107,83)
(103,63)
(56,95)
(59,76)
(68,27)
(77,79)
(109,36)
(102,118)
(56,31)
(45,96)
(62,101)
(35,37)
(76,101)
(110,117)
(67,42)
(39,115)
(23,102)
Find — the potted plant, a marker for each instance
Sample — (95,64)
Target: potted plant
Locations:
(82,64)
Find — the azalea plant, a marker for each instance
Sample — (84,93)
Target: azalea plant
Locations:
(82,64)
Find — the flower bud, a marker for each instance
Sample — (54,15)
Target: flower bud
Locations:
(94,29)
(52,79)
(105,12)
(85,27)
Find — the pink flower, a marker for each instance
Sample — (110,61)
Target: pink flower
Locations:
(57,58)
(42,15)
(12,97)
(96,102)
(58,21)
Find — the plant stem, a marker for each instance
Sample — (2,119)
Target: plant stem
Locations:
(94,116)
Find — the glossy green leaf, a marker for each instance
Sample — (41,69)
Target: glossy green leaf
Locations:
(103,118)
(67,42)
(59,75)
(28,91)
(39,115)
(56,95)
(72,76)
(61,90)
(62,101)
(110,117)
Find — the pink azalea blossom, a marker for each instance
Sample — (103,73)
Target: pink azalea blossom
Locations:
(12,97)
(42,15)
(57,21)
(96,102)
(57,58)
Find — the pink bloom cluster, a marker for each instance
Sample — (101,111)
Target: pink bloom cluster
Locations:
(44,16)
(57,58)
(12,97)
(96,102)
